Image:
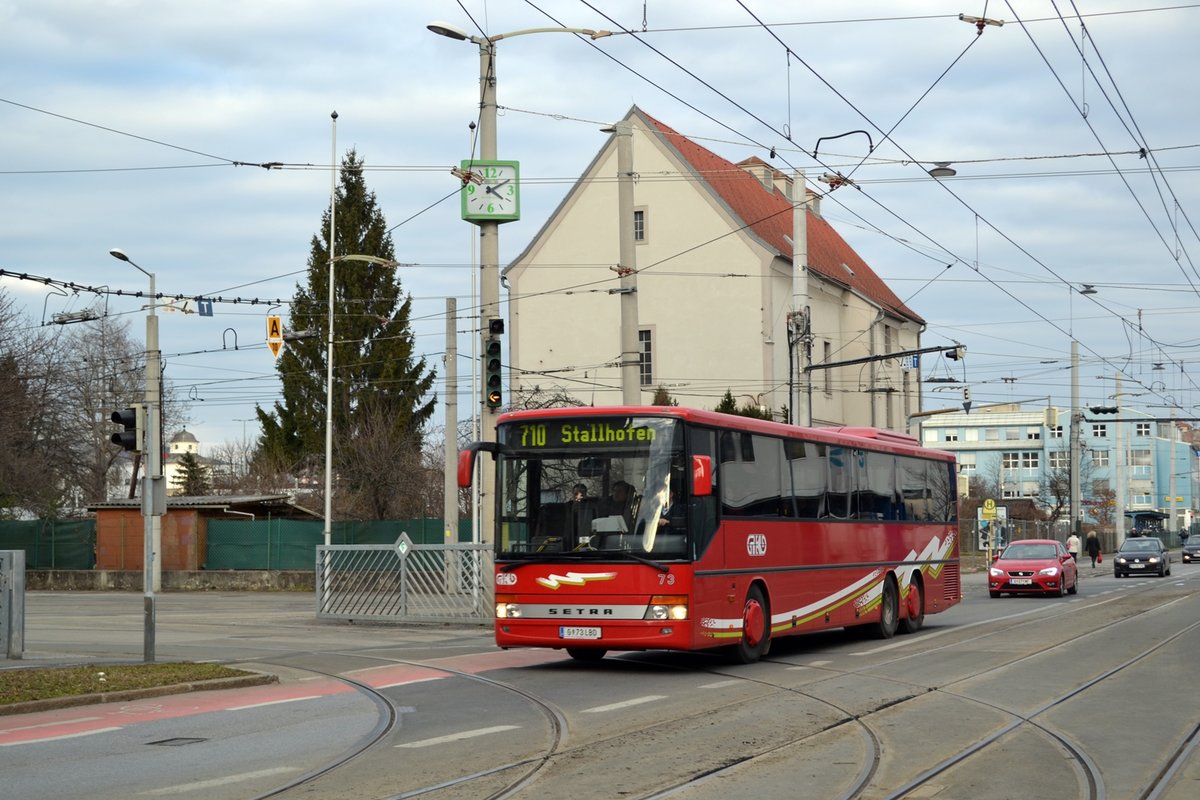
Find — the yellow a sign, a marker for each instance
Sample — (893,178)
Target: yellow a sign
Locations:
(275,335)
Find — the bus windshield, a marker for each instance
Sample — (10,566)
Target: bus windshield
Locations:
(591,485)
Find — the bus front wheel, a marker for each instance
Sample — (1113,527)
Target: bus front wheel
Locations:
(756,627)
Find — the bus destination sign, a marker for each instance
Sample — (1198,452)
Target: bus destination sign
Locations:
(570,433)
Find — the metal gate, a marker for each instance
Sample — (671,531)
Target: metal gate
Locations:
(405,582)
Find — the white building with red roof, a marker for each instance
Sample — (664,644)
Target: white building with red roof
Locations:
(715,285)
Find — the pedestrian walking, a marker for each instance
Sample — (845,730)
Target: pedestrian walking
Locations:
(1073,546)
(1093,547)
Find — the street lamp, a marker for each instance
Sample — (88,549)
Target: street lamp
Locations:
(489,240)
(383,262)
(153,490)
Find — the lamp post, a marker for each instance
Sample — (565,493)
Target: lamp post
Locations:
(153,491)
(384,262)
(489,241)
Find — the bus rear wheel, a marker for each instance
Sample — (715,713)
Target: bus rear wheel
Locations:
(916,607)
(889,611)
(756,628)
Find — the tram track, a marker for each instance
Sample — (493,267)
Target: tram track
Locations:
(530,773)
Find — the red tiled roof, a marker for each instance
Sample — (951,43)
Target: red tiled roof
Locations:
(768,214)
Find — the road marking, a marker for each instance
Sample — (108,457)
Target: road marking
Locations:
(276,702)
(59,738)
(456,737)
(720,684)
(650,698)
(49,724)
(184,788)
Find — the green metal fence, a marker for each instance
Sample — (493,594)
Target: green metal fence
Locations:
(274,544)
(51,544)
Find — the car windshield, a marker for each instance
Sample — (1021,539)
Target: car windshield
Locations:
(1022,551)
(1141,546)
(591,487)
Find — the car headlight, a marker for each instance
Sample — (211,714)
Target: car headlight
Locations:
(1153,559)
(1049,572)
(1120,559)
(995,573)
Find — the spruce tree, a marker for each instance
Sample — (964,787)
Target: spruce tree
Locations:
(375,370)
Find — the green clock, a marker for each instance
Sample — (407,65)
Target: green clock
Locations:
(498,197)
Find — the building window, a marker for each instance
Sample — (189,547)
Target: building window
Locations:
(639,225)
(966,464)
(931,435)
(1010,460)
(972,434)
(1060,459)
(1143,429)
(1033,434)
(991,435)
(1141,500)
(646,357)
(1099,458)
(1031,460)
(1011,434)
(950,436)
(1100,431)
(1099,487)
(1056,432)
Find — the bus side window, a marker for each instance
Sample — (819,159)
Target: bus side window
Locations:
(703,510)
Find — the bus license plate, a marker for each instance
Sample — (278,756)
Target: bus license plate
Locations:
(1022,581)
(575,632)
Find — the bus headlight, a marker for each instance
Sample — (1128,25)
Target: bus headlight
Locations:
(663,607)
(507,607)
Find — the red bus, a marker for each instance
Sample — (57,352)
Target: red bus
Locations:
(647,528)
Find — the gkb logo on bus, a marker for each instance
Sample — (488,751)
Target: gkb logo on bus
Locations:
(756,544)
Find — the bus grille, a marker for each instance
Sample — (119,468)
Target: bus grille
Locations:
(952,583)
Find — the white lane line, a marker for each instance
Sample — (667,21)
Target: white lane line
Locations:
(59,738)
(276,702)
(456,737)
(184,788)
(720,684)
(408,682)
(637,701)
(49,724)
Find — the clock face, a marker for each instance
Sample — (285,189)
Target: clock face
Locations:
(498,197)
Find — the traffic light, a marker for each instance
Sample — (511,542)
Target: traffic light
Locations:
(491,373)
(967,399)
(134,420)
(955,353)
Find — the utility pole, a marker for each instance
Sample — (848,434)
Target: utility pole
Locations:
(1076,443)
(450,472)
(800,320)
(627,267)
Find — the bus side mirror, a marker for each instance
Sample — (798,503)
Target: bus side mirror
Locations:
(466,461)
(702,476)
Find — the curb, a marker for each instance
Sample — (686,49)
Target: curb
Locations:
(126,695)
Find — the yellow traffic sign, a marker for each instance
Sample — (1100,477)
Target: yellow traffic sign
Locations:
(275,335)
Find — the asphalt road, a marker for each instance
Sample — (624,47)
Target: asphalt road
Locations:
(441,711)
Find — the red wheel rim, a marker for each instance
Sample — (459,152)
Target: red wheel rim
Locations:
(752,622)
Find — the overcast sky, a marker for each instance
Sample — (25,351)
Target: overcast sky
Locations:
(135,124)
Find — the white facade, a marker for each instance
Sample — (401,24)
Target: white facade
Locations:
(715,289)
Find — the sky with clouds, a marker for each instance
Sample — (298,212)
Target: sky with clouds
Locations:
(1072,128)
